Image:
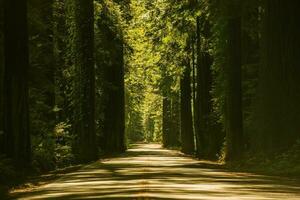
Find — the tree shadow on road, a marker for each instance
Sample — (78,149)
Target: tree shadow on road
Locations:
(149,172)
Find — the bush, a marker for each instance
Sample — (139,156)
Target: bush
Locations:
(54,150)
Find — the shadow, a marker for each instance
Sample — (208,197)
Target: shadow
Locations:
(149,172)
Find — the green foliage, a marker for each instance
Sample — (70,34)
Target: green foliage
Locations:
(157,37)
(54,149)
(158,34)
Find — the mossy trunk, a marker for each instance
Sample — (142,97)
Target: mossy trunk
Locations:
(84,87)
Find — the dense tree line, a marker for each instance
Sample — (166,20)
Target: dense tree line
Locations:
(82,78)
(231,65)
(62,82)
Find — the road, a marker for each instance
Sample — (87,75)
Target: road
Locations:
(148,172)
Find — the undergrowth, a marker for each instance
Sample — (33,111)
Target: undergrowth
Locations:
(283,164)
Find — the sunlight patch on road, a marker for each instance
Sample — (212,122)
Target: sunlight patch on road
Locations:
(149,172)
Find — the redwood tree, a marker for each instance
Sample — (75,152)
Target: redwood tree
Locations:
(277,111)
(233,93)
(187,133)
(85,80)
(15,95)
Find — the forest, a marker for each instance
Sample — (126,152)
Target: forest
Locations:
(84,80)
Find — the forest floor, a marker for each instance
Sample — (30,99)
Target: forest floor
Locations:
(148,172)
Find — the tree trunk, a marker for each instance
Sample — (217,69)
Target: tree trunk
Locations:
(85,80)
(187,134)
(50,64)
(175,120)
(114,117)
(233,99)
(16,115)
(42,62)
(277,110)
(166,129)
(1,77)
(171,129)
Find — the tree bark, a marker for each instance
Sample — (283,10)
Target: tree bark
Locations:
(277,110)
(187,134)
(114,117)
(233,99)
(85,80)
(175,120)
(1,77)
(16,119)
(166,129)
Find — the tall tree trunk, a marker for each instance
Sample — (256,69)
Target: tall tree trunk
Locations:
(175,120)
(16,123)
(277,111)
(50,64)
(187,134)
(207,139)
(233,99)
(85,80)
(194,82)
(114,117)
(42,59)
(171,129)
(1,77)
(200,141)
(166,124)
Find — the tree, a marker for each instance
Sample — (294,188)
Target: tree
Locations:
(166,115)
(114,111)
(277,108)
(1,76)
(233,96)
(206,138)
(187,134)
(111,65)
(85,80)
(114,121)
(15,98)
(175,120)
(42,50)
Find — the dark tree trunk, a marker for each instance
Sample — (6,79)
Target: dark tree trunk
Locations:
(205,127)
(194,83)
(200,143)
(114,113)
(61,55)
(175,120)
(171,128)
(187,134)
(233,99)
(16,123)
(42,60)
(1,77)
(166,129)
(50,66)
(85,80)
(205,107)
(277,112)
